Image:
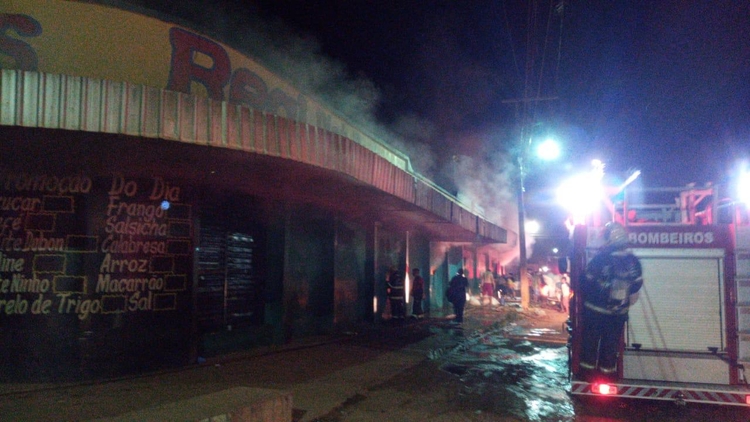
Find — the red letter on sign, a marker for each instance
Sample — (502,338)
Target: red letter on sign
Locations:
(248,88)
(184,69)
(22,53)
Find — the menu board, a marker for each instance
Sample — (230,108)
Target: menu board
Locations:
(45,232)
(89,255)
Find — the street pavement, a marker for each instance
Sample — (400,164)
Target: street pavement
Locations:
(320,373)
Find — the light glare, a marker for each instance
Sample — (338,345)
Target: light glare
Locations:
(581,194)
(532,226)
(743,188)
(548,150)
(629,180)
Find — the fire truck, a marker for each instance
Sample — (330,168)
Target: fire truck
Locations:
(687,339)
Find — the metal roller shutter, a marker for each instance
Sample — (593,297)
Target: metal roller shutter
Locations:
(680,304)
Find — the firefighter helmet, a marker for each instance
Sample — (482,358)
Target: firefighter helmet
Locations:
(615,235)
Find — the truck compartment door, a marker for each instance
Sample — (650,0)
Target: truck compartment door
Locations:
(680,307)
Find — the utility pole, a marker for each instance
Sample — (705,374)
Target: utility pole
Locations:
(533,75)
(521,159)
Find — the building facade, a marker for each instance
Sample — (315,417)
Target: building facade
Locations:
(164,197)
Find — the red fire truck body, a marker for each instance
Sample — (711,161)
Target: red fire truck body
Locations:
(688,334)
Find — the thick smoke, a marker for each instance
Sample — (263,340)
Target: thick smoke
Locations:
(297,57)
(488,184)
(484,183)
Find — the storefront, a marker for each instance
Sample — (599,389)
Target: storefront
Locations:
(152,214)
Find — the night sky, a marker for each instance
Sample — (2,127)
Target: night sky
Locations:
(660,86)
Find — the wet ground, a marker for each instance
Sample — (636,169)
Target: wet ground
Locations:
(504,371)
(487,372)
(516,378)
(500,365)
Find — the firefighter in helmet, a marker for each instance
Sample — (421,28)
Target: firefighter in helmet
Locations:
(608,288)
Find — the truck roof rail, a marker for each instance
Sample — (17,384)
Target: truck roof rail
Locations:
(687,205)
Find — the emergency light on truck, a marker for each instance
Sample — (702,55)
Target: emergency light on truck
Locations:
(604,389)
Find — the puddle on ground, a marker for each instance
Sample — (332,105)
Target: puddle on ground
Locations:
(529,381)
(513,377)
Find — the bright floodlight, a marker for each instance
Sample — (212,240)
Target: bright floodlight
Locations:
(597,168)
(581,194)
(743,187)
(548,150)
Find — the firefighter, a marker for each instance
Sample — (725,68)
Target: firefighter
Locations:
(395,292)
(608,288)
(417,294)
(457,294)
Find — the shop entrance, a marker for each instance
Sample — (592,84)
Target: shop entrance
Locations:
(229,295)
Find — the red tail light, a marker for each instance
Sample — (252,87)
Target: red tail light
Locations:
(604,389)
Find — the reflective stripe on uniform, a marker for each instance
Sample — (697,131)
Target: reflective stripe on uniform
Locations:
(587,365)
(606,311)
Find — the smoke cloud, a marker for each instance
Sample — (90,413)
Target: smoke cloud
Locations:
(481,180)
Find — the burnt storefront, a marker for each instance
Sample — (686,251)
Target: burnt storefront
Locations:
(96,274)
(152,213)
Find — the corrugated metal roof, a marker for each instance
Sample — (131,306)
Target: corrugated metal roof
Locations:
(50,101)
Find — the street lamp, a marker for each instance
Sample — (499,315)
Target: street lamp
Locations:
(547,150)
(532,227)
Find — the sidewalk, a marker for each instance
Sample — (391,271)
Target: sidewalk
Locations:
(321,374)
